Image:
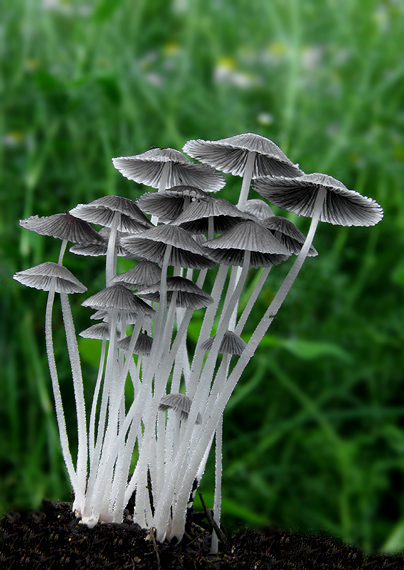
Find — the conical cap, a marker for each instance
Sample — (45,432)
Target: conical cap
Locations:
(231,154)
(147,168)
(62,226)
(341,206)
(287,234)
(231,344)
(168,205)
(144,274)
(189,295)
(42,277)
(102,211)
(120,298)
(152,245)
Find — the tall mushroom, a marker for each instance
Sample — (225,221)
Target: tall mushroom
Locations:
(247,155)
(55,278)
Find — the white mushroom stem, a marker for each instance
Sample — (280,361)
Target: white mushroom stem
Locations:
(60,417)
(251,301)
(74,357)
(207,323)
(159,321)
(198,387)
(199,390)
(245,187)
(95,402)
(162,186)
(218,484)
(62,251)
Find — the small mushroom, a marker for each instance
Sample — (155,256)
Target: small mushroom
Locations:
(180,404)
(231,344)
(142,346)
(48,274)
(188,295)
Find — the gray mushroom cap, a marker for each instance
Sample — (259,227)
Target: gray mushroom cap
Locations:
(100,248)
(258,208)
(341,206)
(44,275)
(179,403)
(250,236)
(152,245)
(105,316)
(143,344)
(195,218)
(144,274)
(100,331)
(147,168)
(102,211)
(189,295)
(120,298)
(287,234)
(230,155)
(63,226)
(231,343)
(170,203)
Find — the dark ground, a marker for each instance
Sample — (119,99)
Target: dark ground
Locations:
(53,539)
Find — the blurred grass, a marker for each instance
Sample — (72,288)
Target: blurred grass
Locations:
(314,433)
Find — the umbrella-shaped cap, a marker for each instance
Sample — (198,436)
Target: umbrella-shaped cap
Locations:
(258,208)
(100,248)
(189,295)
(288,234)
(180,403)
(152,245)
(231,154)
(62,226)
(147,168)
(169,204)
(250,236)
(125,316)
(100,331)
(143,344)
(102,211)
(231,344)
(195,218)
(120,298)
(341,206)
(143,274)
(42,277)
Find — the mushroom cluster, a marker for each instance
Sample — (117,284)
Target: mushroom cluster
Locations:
(153,400)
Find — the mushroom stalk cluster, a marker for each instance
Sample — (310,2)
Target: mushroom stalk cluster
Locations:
(156,408)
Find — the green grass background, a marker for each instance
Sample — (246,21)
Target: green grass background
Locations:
(314,435)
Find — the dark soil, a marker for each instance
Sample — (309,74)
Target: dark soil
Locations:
(53,539)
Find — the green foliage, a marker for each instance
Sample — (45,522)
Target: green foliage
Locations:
(314,432)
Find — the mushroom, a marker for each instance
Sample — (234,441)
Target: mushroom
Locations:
(287,234)
(166,167)
(321,197)
(167,205)
(209,215)
(118,214)
(143,274)
(187,294)
(53,277)
(258,208)
(247,155)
